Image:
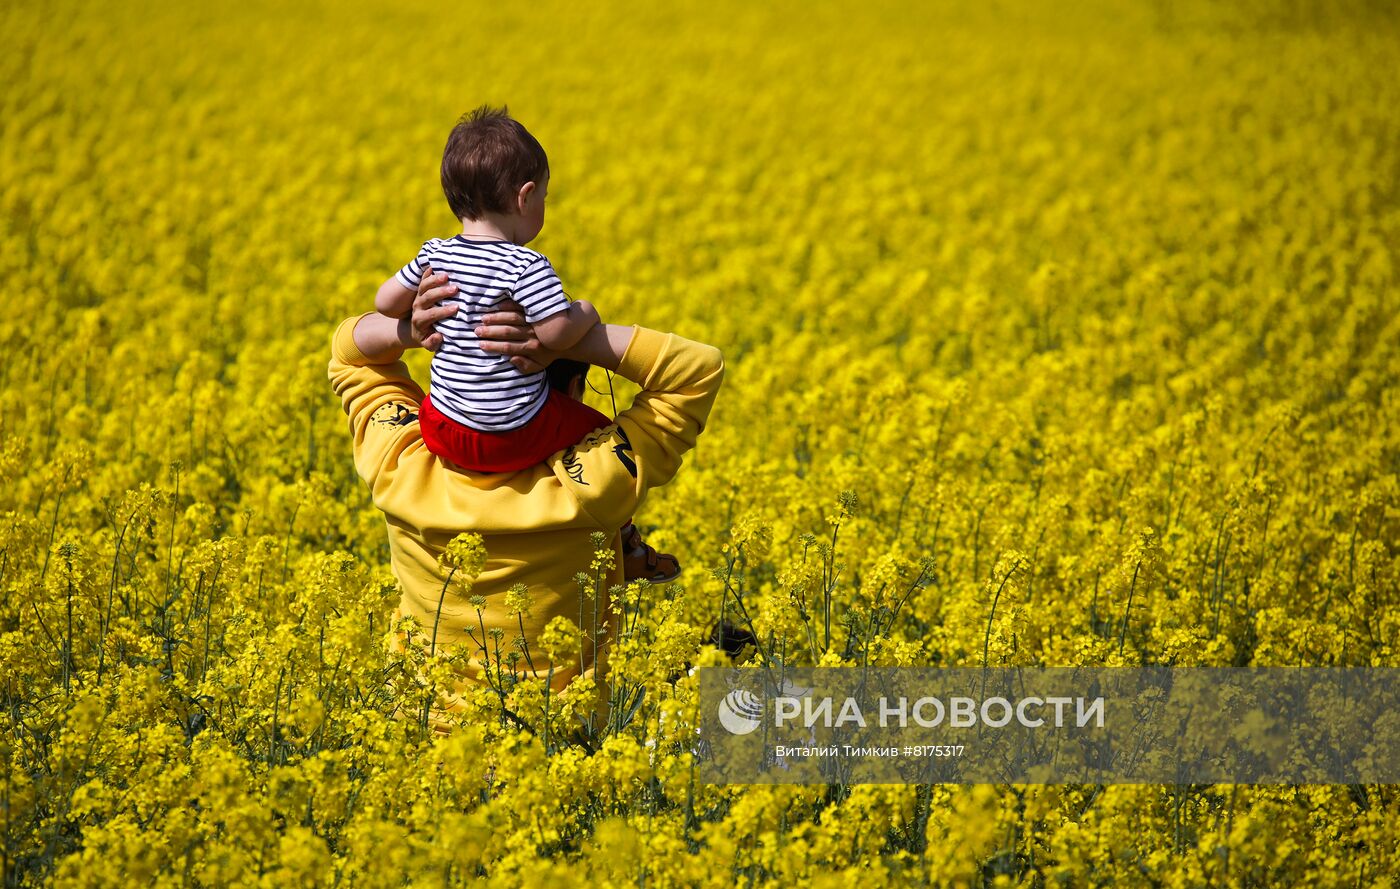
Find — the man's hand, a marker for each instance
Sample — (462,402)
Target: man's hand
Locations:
(506,332)
(433,288)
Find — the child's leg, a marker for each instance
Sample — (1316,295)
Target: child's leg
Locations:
(566,421)
(452,441)
(560,422)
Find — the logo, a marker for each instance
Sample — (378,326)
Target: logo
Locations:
(393,414)
(789,689)
(573,467)
(740,712)
(624,452)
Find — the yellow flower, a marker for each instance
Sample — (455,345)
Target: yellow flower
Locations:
(518,600)
(1091,370)
(464,555)
(560,639)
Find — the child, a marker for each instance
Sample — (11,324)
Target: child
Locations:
(482,413)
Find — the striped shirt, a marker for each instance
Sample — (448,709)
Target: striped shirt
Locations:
(478,389)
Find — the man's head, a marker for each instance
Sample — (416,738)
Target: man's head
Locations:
(492,165)
(568,376)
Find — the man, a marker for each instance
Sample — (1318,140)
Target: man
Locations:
(537,524)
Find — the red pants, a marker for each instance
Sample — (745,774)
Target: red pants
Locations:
(561,422)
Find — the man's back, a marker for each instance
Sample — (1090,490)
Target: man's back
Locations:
(538,523)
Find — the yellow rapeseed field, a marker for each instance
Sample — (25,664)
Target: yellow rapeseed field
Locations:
(1056,334)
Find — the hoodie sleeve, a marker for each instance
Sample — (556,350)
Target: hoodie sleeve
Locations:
(380,399)
(611,470)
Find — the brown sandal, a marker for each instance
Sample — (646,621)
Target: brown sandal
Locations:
(641,562)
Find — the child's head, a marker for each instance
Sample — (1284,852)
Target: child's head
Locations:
(489,161)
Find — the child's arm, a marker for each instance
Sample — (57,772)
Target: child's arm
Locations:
(394,299)
(395,296)
(563,329)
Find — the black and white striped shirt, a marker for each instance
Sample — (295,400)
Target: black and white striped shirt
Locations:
(476,388)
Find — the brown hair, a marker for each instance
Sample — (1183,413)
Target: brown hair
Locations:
(489,155)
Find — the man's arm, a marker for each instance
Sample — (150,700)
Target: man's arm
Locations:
(611,471)
(679,381)
(381,339)
(379,396)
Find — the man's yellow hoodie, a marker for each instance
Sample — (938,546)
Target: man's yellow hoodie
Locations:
(536,523)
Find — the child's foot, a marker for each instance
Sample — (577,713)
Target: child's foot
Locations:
(641,562)
(738,644)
